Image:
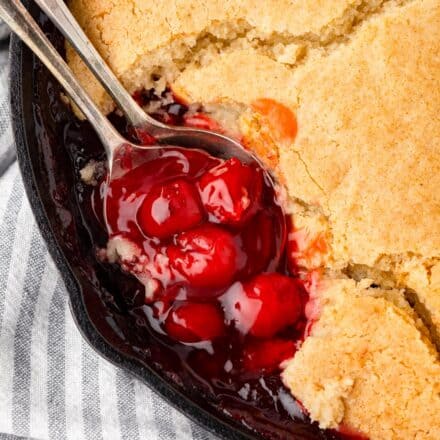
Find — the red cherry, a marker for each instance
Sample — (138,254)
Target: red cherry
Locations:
(231,192)
(267,355)
(166,300)
(263,241)
(206,256)
(195,322)
(265,305)
(170,208)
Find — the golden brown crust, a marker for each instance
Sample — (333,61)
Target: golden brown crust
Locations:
(367,365)
(143,37)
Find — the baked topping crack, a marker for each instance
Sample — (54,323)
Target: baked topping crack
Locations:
(420,295)
(308,172)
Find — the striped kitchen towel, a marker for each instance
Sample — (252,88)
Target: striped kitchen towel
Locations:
(52,385)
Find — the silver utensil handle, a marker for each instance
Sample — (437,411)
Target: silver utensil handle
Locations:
(61,16)
(22,24)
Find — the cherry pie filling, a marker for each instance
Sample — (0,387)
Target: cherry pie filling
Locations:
(209,240)
(207,236)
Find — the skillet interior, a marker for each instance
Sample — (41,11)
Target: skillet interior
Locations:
(50,152)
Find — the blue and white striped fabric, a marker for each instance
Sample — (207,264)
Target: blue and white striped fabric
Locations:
(52,385)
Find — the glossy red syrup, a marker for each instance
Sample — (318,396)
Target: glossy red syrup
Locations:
(211,246)
(208,238)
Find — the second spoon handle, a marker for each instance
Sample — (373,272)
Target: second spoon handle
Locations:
(61,16)
(21,23)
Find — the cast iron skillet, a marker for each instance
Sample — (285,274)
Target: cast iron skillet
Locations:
(49,147)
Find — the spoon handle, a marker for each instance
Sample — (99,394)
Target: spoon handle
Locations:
(61,16)
(22,24)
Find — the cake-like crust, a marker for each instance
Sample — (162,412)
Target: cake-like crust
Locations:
(363,78)
(367,365)
(140,38)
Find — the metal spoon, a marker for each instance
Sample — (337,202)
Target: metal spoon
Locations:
(21,23)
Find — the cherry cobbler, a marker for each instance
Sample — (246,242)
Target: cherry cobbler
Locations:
(329,281)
